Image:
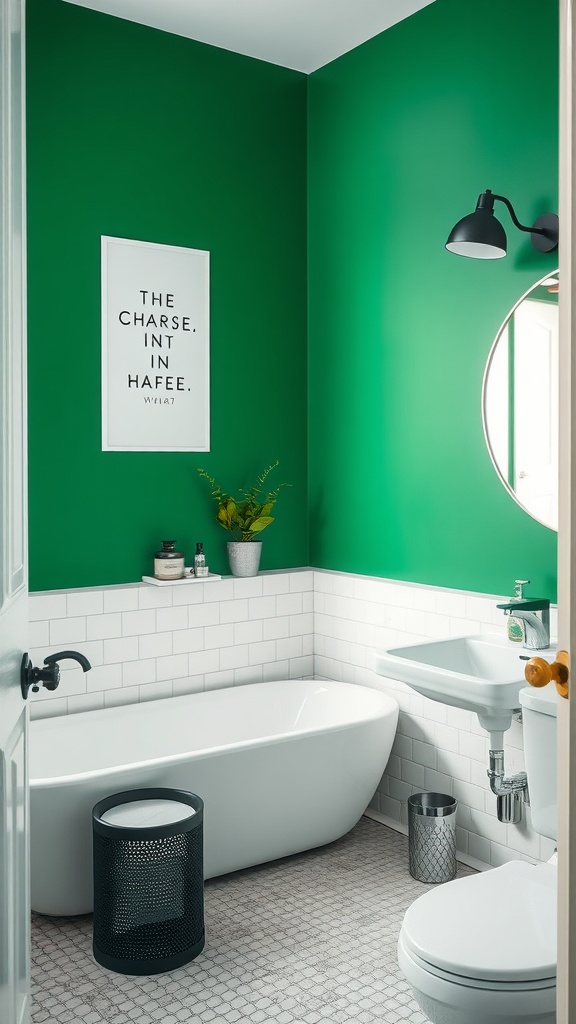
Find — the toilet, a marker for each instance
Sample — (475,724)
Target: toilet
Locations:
(482,949)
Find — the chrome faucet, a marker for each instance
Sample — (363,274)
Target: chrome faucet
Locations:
(533,615)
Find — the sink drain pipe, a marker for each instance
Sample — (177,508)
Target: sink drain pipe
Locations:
(511,792)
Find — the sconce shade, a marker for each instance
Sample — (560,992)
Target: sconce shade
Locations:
(479,235)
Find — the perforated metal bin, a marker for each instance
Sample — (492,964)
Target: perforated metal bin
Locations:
(148,880)
(432,837)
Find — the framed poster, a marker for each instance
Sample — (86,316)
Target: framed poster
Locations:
(155,347)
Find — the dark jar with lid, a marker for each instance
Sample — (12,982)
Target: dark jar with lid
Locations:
(168,564)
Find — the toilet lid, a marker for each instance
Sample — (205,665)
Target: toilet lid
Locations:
(499,925)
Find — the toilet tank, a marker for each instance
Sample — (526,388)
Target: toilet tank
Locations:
(539,708)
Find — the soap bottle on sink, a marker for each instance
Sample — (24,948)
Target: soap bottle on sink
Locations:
(515,627)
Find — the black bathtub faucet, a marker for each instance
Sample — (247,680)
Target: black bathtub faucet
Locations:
(49,675)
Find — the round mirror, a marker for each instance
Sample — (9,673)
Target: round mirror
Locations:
(520,401)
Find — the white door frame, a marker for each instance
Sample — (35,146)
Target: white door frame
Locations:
(566,997)
(14,839)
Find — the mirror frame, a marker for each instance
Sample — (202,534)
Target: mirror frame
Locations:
(511,492)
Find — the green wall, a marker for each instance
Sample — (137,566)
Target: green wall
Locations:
(141,134)
(403,134)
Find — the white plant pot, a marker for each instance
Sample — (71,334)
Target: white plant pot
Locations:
(244,557)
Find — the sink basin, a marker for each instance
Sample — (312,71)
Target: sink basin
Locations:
(483,673)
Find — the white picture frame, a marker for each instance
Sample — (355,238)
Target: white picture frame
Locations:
(155,347)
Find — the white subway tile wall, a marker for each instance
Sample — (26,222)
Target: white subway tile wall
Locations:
(148,642)
(145,642)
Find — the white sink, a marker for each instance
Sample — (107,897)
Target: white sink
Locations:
(483,673)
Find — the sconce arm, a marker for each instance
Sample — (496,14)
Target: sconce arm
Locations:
(486,202)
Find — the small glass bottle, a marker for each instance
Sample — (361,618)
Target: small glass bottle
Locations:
(168,564)
(200,567)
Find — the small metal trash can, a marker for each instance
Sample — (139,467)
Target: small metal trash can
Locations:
(148,880)
(432,837)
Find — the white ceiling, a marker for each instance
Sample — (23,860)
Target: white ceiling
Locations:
(299,34)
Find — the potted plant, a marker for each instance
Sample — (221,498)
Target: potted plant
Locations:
(245,516)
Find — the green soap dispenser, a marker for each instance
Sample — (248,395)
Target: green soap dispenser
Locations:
(515,627)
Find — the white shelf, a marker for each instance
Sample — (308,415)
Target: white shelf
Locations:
(184,580)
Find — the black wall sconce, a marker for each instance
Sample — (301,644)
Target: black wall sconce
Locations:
(482,236)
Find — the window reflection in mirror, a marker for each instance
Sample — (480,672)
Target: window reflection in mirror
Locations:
(520,401)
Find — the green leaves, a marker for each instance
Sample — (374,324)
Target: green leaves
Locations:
(226,513)
(260,524)
(248,515)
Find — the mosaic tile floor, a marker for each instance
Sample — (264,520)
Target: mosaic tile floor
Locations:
(310,939)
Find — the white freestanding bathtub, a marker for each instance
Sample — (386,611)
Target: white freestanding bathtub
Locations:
(281,767)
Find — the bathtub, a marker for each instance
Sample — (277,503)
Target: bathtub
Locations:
(282,767)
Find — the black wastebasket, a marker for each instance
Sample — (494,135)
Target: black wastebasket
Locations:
(148,880)
(432,837)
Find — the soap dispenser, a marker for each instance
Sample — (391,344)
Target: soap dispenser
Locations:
(515,626)
(200,567)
